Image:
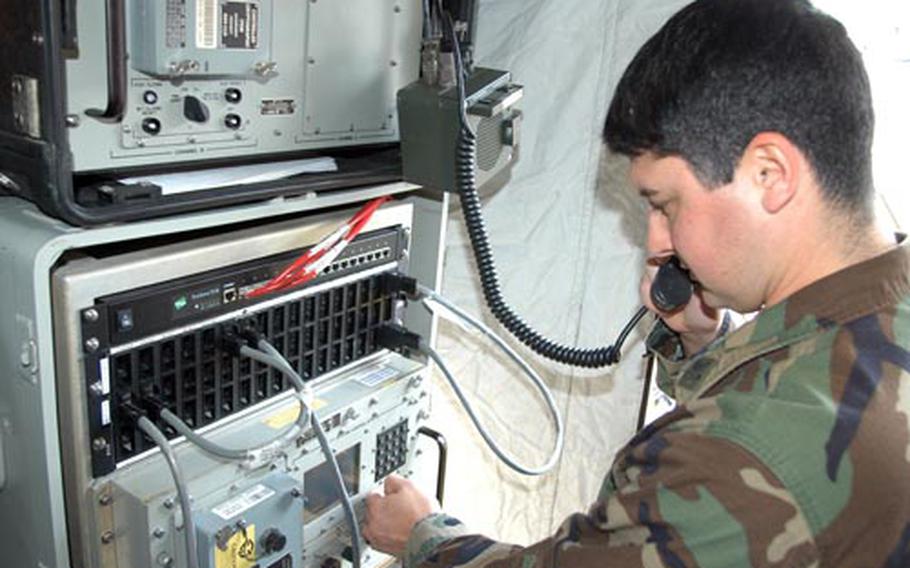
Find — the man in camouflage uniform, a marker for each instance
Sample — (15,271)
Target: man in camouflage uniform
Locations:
(749,125)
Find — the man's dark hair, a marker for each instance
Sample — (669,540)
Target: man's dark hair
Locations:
(722,71)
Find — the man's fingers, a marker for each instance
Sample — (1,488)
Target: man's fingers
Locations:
(394,484)
(373,500)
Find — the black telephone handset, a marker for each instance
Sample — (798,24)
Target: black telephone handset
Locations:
(671,288)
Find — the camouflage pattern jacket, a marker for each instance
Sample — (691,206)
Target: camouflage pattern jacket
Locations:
(790,447)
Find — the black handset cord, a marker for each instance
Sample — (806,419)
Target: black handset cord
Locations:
(466,184)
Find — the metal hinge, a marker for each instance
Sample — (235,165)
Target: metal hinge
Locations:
(26,111)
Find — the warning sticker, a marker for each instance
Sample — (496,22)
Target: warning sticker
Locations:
(240,25)
(246,501)
(239,551)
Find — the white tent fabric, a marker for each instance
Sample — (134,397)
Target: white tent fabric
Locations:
(568,236)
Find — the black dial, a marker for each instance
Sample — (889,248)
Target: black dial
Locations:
(151,126)
(233,95)
(233,121)
(272,541)
(194,109)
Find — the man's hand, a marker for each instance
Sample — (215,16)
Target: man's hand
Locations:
(391,517)
(697,324)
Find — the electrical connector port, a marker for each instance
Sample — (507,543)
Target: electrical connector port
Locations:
(229,295)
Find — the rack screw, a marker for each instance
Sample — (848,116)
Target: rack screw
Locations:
(92,344)
(107,537)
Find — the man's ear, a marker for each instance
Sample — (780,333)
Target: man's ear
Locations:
(773,164)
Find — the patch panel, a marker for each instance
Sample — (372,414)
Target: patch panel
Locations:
(202,383)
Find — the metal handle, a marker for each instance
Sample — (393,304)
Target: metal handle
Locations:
(443,454)
(116,64)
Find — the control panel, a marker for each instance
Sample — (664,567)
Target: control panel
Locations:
(217,79)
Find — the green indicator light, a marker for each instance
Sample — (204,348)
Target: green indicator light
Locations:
(180,303)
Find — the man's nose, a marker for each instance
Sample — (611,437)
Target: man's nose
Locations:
(659,241)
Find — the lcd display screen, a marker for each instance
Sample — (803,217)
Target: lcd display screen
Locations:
(319,485)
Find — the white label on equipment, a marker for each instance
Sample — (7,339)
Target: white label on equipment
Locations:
(372,376)
(247,500)
(105,412)
(104,371)
(206,24)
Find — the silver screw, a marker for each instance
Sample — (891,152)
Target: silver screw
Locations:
(72,120)
(169,503)
(158,533)
(99,444)
(165,560)
(107,537)
(25,355)
(17,86)
(91,315)
(37,38)
(105,500)
(92,344)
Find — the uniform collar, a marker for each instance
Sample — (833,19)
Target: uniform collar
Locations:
(853,292)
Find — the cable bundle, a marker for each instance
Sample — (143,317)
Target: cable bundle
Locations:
(311,263)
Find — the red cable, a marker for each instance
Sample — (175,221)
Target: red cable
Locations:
(297,272)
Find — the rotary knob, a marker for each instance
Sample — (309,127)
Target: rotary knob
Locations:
(272,541)
(194,109)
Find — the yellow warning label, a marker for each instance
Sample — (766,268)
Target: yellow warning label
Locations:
(240,551)
(289,415)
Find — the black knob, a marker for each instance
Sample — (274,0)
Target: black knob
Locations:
(150,97)
(233,121)
(233,95)
(151,126)
(273,541)
(194,109)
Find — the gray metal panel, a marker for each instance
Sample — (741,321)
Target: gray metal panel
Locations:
(352,80)
(333,74)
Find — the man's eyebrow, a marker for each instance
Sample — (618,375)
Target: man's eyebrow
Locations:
(647,193)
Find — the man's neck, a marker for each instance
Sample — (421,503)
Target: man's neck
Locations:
(833,249)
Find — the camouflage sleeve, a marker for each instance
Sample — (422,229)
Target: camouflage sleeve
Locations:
(684,499)
(664,344)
